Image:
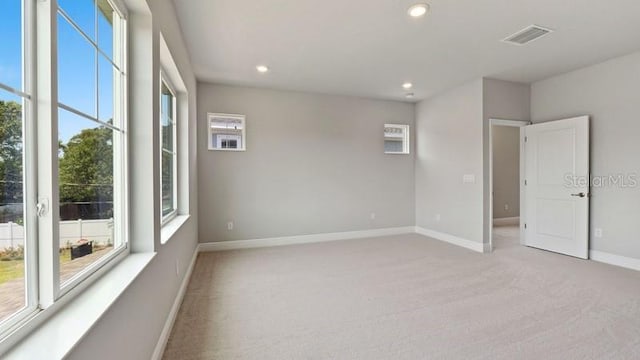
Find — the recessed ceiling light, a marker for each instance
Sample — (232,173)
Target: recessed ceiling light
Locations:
(418,10)
(407,85)
(409,95)
(262,68)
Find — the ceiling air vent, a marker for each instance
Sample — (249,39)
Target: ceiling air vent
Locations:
(527,35)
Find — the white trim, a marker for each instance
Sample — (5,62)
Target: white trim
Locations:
(512,123)
(617,260)
(506,221)
(303,239)
(452,239)
(173,313)
(170,228)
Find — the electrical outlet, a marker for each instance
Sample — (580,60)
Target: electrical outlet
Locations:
(373,216)
(597,232)
(438,217)
(230,225)
(506,207)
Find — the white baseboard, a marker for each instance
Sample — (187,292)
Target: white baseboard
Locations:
(166,330)
(506,221)
(472,245)
(303,239)
(617,260)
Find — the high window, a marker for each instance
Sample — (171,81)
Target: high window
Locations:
(396,139)
(227,132)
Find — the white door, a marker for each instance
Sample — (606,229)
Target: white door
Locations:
(557,186)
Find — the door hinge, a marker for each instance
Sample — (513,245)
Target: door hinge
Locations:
(525,183)
(525,225)
(526,138)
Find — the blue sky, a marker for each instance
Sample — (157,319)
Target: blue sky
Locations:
(76,62)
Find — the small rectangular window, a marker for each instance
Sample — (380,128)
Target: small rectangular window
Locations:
(227,132)
(396,139)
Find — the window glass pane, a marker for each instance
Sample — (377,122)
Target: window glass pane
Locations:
(106,79)
(12,240)
(105,27)
(166,116)
(167,183)
(76,69)
(86,183)
(11,43)
(82,13)
(393,146)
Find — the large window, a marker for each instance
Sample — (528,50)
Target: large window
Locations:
(91,134)
(168,151)
(80,217)
(17,253)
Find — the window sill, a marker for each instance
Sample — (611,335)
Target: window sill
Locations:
(55,338)
(232,150)
(171,228)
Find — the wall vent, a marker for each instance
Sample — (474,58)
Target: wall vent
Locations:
(527,35)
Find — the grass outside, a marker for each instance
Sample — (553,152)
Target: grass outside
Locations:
(14,269)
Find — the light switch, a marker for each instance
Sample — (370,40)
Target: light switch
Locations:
(469,179)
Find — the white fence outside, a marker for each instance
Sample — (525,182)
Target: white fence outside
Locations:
(98,231)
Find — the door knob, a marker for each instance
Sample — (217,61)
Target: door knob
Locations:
(579,194)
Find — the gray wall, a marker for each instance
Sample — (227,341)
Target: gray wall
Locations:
(501,100)
(314,164)
(449,145)
(610,94)
(131,327)
(506,171)
(453,140)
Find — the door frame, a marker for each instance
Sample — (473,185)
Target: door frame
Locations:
(512,123)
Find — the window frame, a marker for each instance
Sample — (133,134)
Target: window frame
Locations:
(45,293)
(121,181)
(164,79)
(406,146)
(210,132)
(29,162)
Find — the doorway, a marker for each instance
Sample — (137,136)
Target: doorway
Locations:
(553,186)
(506,168)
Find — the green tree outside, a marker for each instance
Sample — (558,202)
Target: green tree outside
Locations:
(10,155)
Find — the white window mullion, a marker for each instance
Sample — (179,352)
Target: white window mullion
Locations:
(47,135)
(30,154)
(174,121)
(120,187)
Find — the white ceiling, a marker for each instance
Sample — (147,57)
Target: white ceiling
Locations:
(370,47)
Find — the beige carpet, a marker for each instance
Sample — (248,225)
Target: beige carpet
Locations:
(406,297)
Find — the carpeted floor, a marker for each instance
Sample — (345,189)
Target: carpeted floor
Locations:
(406,297)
